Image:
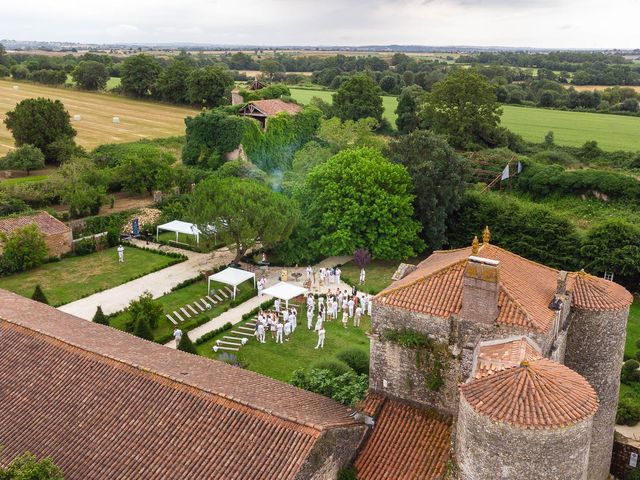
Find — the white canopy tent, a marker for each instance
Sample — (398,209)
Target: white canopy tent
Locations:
(285,291)
(178,226)
(231,276)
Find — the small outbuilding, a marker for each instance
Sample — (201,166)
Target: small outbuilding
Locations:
(57,236)
(261,110)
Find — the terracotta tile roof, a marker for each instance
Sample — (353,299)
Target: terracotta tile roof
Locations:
(496,357)
(435,287)
(407,443)
(537,394)
(594,293)
(108,405)
(371,404)
(47,224)
(275,106)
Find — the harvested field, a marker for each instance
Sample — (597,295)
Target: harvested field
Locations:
(138,119)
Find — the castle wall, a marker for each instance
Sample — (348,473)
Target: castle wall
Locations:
(595,348)
(487,450)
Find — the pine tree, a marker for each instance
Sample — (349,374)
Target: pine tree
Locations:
(39,296)
(142,330)
(100,317)
(186,345)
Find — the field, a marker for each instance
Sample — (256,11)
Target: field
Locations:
(138,119)
(581,88)
(76,277)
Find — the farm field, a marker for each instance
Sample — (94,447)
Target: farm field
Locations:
(138,119)
(581,88)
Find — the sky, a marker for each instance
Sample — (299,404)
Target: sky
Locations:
(516,23)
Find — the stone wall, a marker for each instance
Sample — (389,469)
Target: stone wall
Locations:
(487,450)
(623,450)
(335,449)
(595,348)
(59,243)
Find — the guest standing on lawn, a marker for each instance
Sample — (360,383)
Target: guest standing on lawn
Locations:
(279,328)
(177,334)
(321,335)
(362,276)
(357,316)
(120,254)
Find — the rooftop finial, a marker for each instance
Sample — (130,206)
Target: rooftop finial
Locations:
(524,363)
(486,235)
(475,245)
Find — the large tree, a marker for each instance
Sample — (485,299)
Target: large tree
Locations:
(463,107)
(358,97)
(243,213)
(209,86)
(172,82)
(91,75)
(41,122)
(26,157)
(359,199)
(438,175)
(407,109)
(139,75)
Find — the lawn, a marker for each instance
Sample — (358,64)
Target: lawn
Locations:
(378,274)
(190,241)
(633,330)
(138,119)
(77,277)
(180,298)
(280,360)
(29,179)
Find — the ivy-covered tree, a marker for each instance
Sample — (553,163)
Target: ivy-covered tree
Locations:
(209,136)
(243,212)
(42,123)
(39,296)
(209,86)
(359,199)
(438,175)
(139,75)
(358,97)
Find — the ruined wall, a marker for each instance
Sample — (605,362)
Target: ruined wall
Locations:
(595,348)
(59,244)
(487,450)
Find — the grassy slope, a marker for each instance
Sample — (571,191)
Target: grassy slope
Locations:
(181,297)
(378,274)
(280,360)
(633,330)
(138,119)
(75,277)
(612,132)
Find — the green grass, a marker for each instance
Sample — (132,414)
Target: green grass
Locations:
(77,277)
(633,330)
(280,360)
(378,273)
(180,298)
(19,180)
(112,83)
(612,132)
(190,240)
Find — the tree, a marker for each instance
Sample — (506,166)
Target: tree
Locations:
(141,329)
(91,75)
(358,97)
(139,75)
(23,249)
(172,82)
(39,296)
(438,175)
(26,157)
(145,309)
(358,184)
(40,122)
(407,109)
(28,467)
(361,257)
(271,68)
(243,213)
(340,135)
(82,187)
(463,107)
(186,345)
(209,86)
(145,173)
(210,135)
(100,317)
(19,72)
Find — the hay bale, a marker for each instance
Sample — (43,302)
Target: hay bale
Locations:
(115,119)
(16,87)
(77,118)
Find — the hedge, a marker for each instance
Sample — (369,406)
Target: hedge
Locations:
(213,333)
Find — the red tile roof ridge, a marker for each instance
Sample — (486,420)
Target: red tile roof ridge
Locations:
(608,295)
(491,245)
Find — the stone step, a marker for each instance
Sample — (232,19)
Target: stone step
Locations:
(234,338)
(247,329)
(171,319)
(223,293)
(195,312)
(186,314)
(204,304)
(211,300)
(198,306)
(243,334)
(217,298)
(177,315)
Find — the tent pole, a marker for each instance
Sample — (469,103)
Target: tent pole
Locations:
(234,291)
(209,286)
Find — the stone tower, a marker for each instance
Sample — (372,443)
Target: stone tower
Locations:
(595,348)
(530,422)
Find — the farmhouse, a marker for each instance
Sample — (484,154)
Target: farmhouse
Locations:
(261,110)
(513,352)
(57,235)
(105,404)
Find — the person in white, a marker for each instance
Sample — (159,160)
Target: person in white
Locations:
(369,302)
(309,316)
(279,328)
(287,330)
(293,320)
(120,254)
(357,316)
(276,305)
(318,322)
(332,276)
(260,287)
(338,273)
(362,276)
(334,309)
(340,297)
(345,319)
(321,335)
(261,333)
(309,272)
(350,304)
(177,334)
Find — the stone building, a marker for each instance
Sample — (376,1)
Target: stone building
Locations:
(499,344)
(261,110)
(57,235)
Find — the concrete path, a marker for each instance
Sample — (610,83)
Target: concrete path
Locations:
(234,315)
(158,283)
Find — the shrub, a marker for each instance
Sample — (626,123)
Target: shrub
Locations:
(84,246)
(557,157)
(213,333)
(186,345)
(39,296)
(630,373)
(24,249)
(349,473)
(348,388)
(100,317)
(628,411)
(336,367)
(356,358)
(147,309)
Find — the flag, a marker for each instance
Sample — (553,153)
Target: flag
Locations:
(519,166)
(505,173)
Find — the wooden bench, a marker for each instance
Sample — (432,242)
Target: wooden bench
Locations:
(195,312)
(177,315)
(186,314)
(171,319)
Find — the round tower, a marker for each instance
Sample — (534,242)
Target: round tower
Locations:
(595,349)
(532,421)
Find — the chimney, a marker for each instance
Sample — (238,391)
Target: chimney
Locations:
(561,287)
(480,285)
